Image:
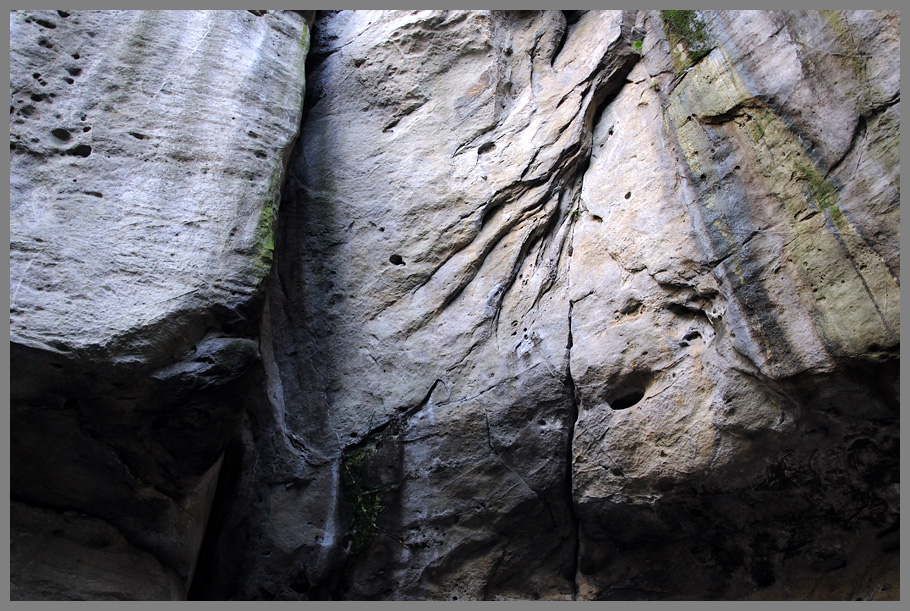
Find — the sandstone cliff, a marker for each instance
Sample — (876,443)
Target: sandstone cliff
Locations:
(564,305)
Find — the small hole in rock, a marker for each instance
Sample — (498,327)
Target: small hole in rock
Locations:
(86,129)
(63,14)
(83,150)
(74,71)
(396,260)
(596,218)
(75,56)
(61,134)
(628,195)
(68,80)
(627,400)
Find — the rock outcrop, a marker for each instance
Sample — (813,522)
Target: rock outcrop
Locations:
(147,150)
(564,305)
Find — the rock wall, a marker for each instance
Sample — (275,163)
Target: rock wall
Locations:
(146,154)
(565,304)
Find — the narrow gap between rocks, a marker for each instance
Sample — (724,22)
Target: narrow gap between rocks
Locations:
(573,419)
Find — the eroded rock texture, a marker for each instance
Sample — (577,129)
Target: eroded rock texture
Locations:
(560,317)
(146,153)
(565,305)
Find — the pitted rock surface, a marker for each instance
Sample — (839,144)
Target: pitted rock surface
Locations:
(563,305)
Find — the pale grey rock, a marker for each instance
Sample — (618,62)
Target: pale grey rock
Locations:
(554,315)
(534,333)
(415,320)
(147,153)
(744,300)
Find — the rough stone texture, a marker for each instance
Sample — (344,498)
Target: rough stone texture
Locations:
(754,346)
(69,556)
(555,318)
(566,305)
(147,149)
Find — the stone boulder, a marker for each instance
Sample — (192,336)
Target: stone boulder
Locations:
(147,150)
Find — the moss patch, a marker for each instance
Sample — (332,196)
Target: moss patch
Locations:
(689,28)
(265,227)
(265,238)
(820,192)
(365,500)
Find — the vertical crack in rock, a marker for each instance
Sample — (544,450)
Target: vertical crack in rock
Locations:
(570,457)
(413,321)
(557,308)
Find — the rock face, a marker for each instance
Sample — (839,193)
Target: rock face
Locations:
(565,305)
(146,153)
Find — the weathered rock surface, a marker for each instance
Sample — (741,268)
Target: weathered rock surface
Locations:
(565,305)
(557,319)
(147,149)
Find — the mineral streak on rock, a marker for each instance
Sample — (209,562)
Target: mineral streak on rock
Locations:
(562,305)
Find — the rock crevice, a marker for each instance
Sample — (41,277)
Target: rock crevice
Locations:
(559,305)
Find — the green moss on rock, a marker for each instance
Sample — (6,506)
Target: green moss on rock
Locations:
(689,28)
(820,191)
(265,238)
(365,500)
(265,226)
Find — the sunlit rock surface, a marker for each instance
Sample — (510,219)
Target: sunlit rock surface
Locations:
(146,154)
(565,305)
